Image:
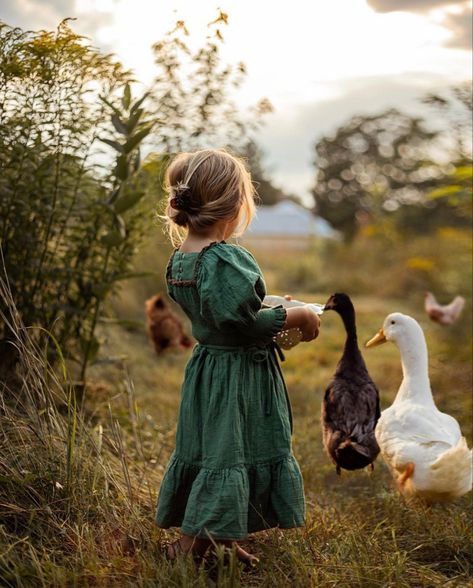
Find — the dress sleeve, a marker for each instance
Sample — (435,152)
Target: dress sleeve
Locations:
(231,291)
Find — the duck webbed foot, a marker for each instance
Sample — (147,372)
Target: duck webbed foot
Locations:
(407,473)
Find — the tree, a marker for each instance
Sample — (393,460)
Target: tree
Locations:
(191,95)
(268,193)
(373,165)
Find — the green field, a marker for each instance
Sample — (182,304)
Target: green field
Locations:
(358,533)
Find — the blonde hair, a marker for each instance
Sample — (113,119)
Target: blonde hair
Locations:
(206,187)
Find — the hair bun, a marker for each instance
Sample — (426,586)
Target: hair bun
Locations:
(181,199)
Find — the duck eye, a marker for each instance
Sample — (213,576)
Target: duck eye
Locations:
(393,322)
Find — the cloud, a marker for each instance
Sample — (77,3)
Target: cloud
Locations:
(410,5)
(35,14)
(458,22)
(289,137)
(461,25)
(47,14)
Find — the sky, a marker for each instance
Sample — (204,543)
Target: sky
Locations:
(318,61)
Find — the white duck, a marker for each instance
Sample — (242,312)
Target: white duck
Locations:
(423,447)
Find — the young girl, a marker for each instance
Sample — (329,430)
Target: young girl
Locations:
(233,471)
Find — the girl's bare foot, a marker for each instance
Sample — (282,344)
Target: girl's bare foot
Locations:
(187,545)
(244,556)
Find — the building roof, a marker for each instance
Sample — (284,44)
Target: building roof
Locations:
(289,219)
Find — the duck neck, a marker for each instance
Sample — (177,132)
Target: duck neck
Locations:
(415,369)
(351,344)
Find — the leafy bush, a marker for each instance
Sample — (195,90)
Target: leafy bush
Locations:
(69,227)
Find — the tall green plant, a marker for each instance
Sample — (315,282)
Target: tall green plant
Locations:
(68,228)
(112,238)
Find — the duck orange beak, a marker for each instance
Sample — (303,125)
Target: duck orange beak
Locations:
(378,339)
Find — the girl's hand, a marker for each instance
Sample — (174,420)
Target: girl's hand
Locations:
(304,319)
(310,328)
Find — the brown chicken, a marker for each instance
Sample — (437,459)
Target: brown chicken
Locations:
(445,314)
(165,328)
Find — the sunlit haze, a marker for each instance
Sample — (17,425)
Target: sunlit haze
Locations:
(319,62)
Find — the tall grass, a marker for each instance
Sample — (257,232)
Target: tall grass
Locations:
(71,500)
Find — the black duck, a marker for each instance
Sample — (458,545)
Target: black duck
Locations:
(350,409)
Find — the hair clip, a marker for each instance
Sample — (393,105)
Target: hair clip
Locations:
(180,188)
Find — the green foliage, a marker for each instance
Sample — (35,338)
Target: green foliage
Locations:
(70,223)
(68,227)
(456,190)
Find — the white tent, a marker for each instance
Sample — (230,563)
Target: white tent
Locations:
(288,220)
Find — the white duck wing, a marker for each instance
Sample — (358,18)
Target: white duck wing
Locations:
(411,433)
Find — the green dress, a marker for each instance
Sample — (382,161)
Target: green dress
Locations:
(233,471)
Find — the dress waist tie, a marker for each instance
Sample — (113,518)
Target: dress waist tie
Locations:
(267,354)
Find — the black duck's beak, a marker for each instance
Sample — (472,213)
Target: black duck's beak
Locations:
(378,339)
(329,305)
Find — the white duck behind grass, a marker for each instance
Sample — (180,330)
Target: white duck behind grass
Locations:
(423,447)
